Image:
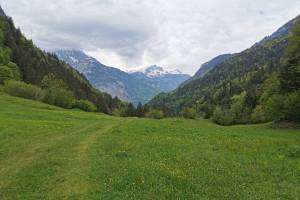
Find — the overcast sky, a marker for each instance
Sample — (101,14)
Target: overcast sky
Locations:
(136,33)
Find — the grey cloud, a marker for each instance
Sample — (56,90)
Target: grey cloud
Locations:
(174,33)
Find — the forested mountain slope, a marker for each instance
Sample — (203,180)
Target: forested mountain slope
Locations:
(35,64)
(207,67)
(236,82)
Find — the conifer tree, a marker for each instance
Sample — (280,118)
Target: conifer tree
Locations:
(290,74)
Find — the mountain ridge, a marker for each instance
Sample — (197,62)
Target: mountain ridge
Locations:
(132,87)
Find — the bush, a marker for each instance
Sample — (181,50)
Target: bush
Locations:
(223,116)
(5,74)
(15,71)
(155,114)
(258,115)
(50,81)
(9,71)
(292,107)
(59,97)
(189,113)
(24,90)
(84,105)
(274,107)
(284,107)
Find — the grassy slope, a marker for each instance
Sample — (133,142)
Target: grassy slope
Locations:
(51,153)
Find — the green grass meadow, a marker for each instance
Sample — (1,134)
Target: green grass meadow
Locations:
(51,153)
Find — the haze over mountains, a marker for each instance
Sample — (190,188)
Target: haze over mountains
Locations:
(136,86)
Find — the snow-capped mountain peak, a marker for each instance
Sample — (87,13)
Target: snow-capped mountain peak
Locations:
(155,71)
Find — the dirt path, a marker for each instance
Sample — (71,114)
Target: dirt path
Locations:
(74,176)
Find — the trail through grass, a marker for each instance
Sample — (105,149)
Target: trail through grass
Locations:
(50,153)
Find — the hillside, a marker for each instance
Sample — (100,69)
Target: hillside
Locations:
(207,67)
(132,87)
(234,84)
(34,64)
(51,153)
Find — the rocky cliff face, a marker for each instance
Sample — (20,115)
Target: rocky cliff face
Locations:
(132,87)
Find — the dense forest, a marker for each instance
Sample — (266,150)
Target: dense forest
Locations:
(21,60)
(257,85)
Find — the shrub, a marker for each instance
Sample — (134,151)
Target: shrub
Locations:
(24,90)
(130,111)
(5,74)
(284,107)
(189,113)
(274,107)
(15,71)
(84,105)
(59,97)
(155,114)
(9,71)
(292,107)
(258,114)
(223,116)
(50,81)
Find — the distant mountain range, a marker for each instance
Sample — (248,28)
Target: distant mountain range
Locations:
(136,86)
(161,79)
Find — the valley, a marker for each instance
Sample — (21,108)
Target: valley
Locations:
(51,153)
(135,87)
(73,128)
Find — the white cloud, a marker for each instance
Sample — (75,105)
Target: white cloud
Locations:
(134,33)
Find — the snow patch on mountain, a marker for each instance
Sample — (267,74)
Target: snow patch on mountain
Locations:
(154,71)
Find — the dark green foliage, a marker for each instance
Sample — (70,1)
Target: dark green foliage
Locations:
(155,114)
(5,73)
(284,107)
(55,96)
(270,87)
(59,97)
(274,107)
(286,104)
(223,116)
(140,110)
(15,71)
(84,105)
(130,111)
(56,92)
(50,81)
(189,113)
(9,71)
(5,55)
(258,115)
(24,90)
(290,74)
(292,106)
